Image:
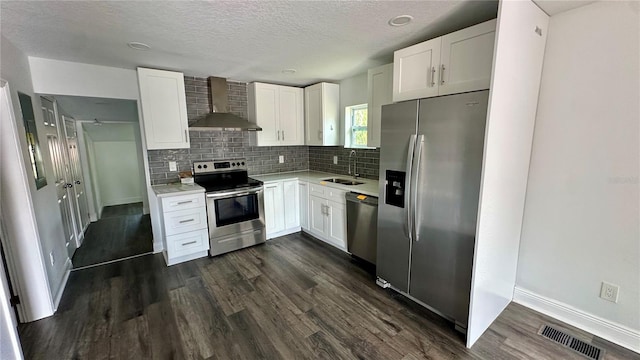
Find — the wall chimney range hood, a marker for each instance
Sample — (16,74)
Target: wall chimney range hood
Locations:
(220,118)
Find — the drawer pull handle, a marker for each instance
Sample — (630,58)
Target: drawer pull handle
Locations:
(186,221)
(189,243)
(184,202)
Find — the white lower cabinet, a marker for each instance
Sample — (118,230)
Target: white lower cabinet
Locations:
(303,193)
(337,224)
(185,234)
(281,208)
(327,219)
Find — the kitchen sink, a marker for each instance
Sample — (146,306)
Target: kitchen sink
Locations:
(342,181)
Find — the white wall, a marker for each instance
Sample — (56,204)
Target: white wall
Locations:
(118,172)
(31,216)
(515,81)
(114,162)
(55,77)
(353,91)
(582,220)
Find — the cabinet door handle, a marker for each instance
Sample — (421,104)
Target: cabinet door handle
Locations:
(442,75)
(433,76)
(282,135)
(186,221)
(184,202)
(186,135)
(319,134)
(278,134)
(189,243)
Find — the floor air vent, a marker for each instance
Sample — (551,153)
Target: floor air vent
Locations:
(572,343)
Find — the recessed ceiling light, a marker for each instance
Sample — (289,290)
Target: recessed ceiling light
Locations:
(400,20)
(138,46)
(289,71)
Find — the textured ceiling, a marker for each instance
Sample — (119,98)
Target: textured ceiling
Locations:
(105,110)
(239,40)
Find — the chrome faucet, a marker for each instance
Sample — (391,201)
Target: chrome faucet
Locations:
(355,164)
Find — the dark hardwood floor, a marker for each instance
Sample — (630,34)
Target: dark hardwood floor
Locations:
(123,231)
(292,298)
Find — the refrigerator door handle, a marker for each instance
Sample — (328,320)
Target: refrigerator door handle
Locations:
(415,182)
(408,186)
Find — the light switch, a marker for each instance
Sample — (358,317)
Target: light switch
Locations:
(281,159)
(335,160)
(173,166)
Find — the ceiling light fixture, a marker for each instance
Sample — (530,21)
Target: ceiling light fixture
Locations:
(400,20)
(138,46)
(289,71)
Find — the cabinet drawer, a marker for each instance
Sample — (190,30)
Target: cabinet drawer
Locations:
(182,202)
(181,221)
(318,190)
(335,195)
(187,243)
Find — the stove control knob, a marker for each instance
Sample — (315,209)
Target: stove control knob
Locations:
(243,163)
(199,166)
(233,164)
(204,166)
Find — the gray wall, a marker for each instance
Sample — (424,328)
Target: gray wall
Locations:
(207,145)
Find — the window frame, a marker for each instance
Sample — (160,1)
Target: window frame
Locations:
(350,128)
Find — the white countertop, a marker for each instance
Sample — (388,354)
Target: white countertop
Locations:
(370,187)
(176,189)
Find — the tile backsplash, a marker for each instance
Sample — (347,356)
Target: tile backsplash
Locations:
(321,159)
(209,144)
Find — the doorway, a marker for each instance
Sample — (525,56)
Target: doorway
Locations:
(106,141)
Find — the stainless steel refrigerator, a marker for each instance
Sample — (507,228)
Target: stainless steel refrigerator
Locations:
(430,166)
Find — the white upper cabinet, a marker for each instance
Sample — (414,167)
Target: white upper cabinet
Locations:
(415,69)
(466,59)
(279,111)
(380,92)
(454,63)
(322,114)
(164,109)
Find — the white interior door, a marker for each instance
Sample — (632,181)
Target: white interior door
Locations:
(80,196)
(62,179)
(61,193)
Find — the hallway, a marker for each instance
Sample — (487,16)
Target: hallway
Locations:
(123,231)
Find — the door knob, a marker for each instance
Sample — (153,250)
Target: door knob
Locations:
(68,185)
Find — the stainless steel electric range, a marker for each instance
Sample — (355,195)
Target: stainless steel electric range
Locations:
(235,204)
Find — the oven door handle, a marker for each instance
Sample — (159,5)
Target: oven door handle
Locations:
(235,193)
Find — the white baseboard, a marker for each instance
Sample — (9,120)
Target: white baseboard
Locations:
(63,284)
(283,233)
(616,333)
(157,247)
(123,201)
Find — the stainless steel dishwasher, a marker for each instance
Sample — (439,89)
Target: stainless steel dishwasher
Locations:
(362,226)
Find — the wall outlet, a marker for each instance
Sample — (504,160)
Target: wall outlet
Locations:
(281,159)
(335,160)
(609,292)
(173,166)
(51,258)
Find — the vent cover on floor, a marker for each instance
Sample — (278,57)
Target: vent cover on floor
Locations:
(572,343)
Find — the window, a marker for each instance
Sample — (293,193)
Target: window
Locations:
(356,121)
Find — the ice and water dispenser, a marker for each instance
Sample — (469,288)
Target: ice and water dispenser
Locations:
(394,188)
